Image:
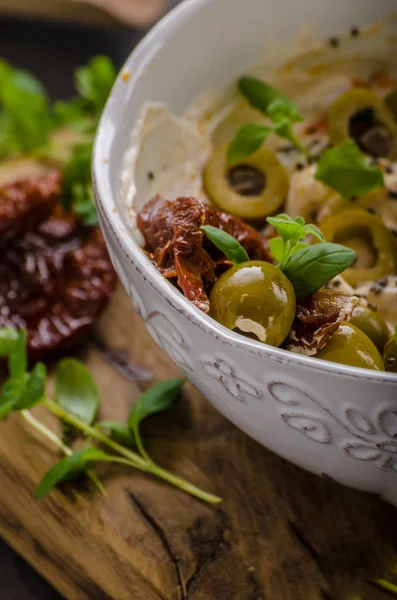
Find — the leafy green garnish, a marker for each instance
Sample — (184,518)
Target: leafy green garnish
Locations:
(268,100)
(77,190)
(346,169)
(274,105)
(156,399)
(247,141)
(291,232)
(119,432)
(77,402)
(311,268)
(94,82)
(71,467)
(25,116)
(27,120)
(230,247)
(76,391)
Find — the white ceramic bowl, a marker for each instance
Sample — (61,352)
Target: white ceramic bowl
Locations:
(327,418)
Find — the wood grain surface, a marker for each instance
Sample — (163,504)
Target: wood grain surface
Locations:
(279,534)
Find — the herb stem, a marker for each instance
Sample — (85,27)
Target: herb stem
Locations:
(134,459)
(46,432)
(386,585)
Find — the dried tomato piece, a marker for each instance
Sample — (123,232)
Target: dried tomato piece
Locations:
(55,281)
(193,264)
(317,318)
(180,249)
(26,202)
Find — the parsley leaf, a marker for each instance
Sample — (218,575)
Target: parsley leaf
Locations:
(94,82)
(77,192)
(226,243)
(346,169)
(25,117)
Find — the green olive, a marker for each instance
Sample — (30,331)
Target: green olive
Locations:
(366,234)
(255,298)
(372,324)
(350,346)
(251,189)
(390,355)
(362,115)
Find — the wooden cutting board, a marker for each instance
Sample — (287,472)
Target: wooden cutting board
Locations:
(279,534)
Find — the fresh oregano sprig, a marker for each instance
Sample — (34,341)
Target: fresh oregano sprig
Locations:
(76,403)
(273,104)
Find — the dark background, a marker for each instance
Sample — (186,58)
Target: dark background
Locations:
(51,51)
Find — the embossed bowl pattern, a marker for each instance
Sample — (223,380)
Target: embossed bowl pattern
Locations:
(327,418)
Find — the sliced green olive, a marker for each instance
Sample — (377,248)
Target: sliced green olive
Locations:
(366,234)
(390,356)
(251,189)
(350,346)
(255,298)
(361,115)
(372,324)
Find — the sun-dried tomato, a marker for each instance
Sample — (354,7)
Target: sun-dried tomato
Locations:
(26,202)
(180,248)
(55,281)
(317,318)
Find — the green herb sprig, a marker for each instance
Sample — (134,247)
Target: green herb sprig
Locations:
(28,126)
(273,104)
(347,170)
(308,267)
(76,403)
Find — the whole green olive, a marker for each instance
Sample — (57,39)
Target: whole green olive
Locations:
(390,355)
(350,346)
(372,324)
(255,297)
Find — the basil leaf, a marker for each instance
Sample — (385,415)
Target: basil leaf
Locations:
(309,269)
(118,432)
(287,227)
(276,246)
(346,169)
(69,468)
(247,141)
(267,99)
(156,399)
(34,388)
(313,230)
(226,243)
(75,390)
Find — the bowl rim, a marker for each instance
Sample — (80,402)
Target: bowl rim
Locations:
(105,198)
